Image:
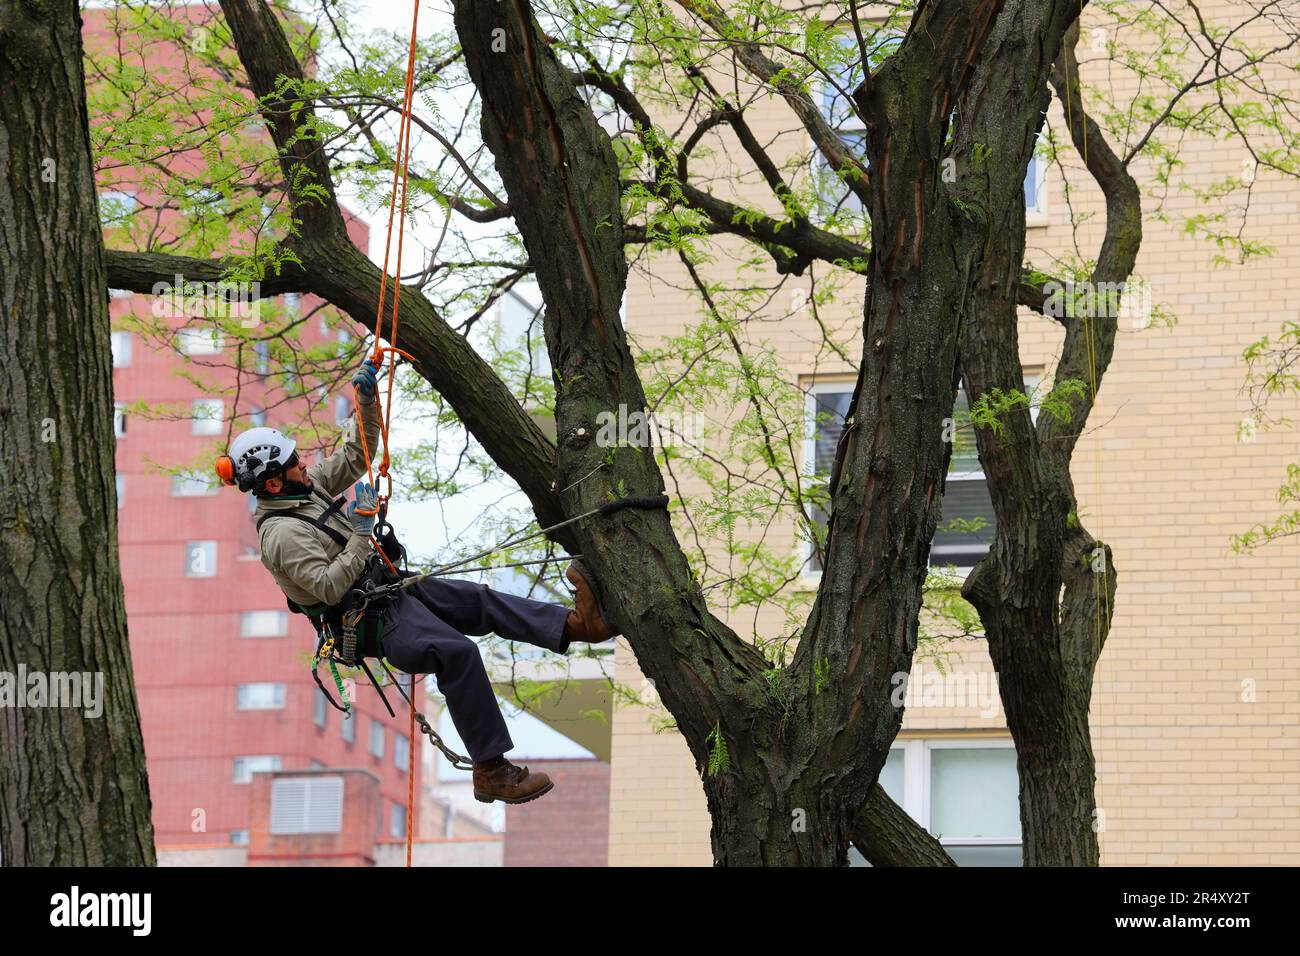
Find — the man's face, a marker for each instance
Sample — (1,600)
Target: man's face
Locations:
(297,471)
(294,473)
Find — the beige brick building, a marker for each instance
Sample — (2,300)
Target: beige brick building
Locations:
(1196,711)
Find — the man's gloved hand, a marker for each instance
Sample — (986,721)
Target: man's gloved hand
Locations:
(366,501)
(366,379)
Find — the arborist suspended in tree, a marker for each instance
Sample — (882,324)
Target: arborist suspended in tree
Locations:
(324,562)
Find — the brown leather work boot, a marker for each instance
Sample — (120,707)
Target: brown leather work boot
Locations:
(508,783)
(586,620)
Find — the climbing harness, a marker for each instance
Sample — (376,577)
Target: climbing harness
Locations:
(457,567)
(376,590)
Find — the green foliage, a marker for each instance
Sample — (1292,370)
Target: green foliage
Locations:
(990,408)
(1272,376)
(821,674)
(719,758)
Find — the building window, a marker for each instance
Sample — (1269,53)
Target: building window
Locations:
(1035,189)
(257,417)
(964,792)
(192,484)
(376,738)
(342,410)
(827,405)
(120,481)
(200,341)
(349,725)
(262,357)
(239,838)
(263,623)
(964,530)
(121,346)
(119,420)
(401,751)
(293,304)
(245,767)
(319,711)
(398,829)
(307,805)
(200,559)
(842,115)
(265,696)
(207,416)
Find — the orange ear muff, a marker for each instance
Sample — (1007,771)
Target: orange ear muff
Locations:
(226,470)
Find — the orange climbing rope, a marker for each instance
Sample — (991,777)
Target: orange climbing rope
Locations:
(398,216)
(377,360)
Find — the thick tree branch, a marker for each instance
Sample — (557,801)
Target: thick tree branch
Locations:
(272,69)
(884,834)
(1090,340)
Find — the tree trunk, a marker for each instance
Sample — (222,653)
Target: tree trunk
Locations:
(1045,592)
(73,789)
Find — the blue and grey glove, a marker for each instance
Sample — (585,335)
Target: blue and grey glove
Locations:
(365,501)
(366,379)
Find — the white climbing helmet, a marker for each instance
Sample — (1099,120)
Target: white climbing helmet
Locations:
(257,454)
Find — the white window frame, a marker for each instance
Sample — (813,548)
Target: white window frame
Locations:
(918,776)
(272,763)
(397,826)
(928,746)
(247,619)
(120,345)
(807,574)
(260,695)
(348,728)
(810,577)
(207,416)
(401,751)
(191,484)
(823,90)
(119,420)
(199,340)
(319,711)
(1037,215)
(377,751)
(119,480)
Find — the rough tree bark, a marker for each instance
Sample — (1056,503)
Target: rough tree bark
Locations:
(1045,592)
(73,790)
